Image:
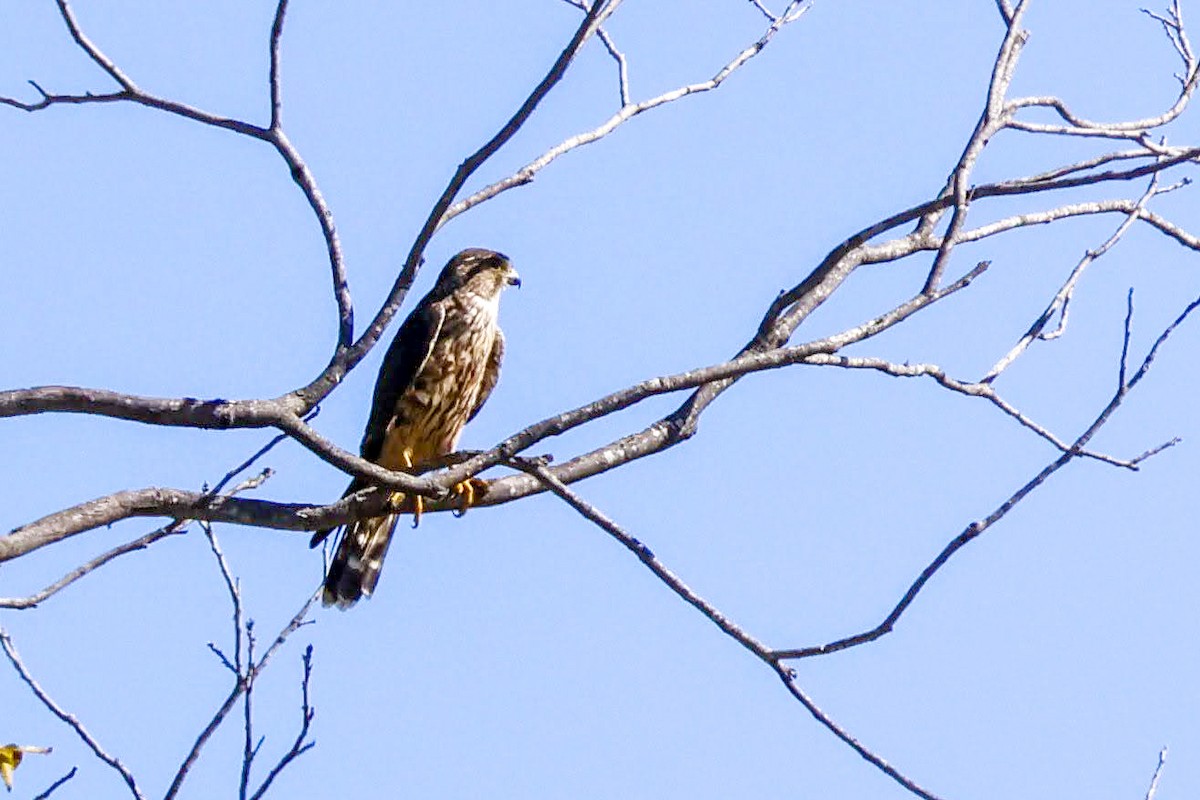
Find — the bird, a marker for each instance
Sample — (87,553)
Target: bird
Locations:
(10,758)
(438,372)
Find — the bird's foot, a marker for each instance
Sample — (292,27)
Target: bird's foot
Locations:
(468,491)
(401,503)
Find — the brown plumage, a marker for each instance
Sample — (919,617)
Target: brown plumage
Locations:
(437,374)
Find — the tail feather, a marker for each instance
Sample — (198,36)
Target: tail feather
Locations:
(359,558)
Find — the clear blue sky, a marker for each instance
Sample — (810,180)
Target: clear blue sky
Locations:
(520,652)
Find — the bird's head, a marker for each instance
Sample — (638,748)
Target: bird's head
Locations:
(482,272)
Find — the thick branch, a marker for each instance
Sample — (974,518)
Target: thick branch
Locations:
(188,412)
(184,504)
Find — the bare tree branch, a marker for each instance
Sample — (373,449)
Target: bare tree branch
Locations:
(1130,129)
(775,658)
(617,56)
(972,531)
(142,542)
(273,79)
(1162,761)
(185,504)
(302,516)
(622,65)
(768,348)
(299,746)
(249,749)
(991,120)
(1060,304)
(348,358)
(251,671)
(727,626)
(1114,206)
(214,414)
(186,411)
(628,111)
(54,786)
(979,389)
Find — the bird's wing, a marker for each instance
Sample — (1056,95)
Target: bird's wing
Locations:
(405,358)
(491,374)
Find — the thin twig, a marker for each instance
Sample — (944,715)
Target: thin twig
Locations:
(273,79)
(980,389)
(1131,129)
(56,784)
(622,65)
(93,52)
(788,677)
(254,669)
(628,111)
(234,591)
(73,722)
(249,750)
(274,135)
(1162,761)
(175,527)
(973,531)
(347,358)
(299,746)
(1060,304)
(617,56)
(140,543)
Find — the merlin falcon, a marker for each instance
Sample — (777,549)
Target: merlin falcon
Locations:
(437,374)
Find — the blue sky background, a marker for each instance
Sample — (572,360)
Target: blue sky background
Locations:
(520,652)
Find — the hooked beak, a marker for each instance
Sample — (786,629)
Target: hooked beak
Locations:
(514,279)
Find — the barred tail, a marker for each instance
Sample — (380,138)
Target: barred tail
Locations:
(355,568)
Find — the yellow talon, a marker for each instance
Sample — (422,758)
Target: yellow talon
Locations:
(418,501)
(418,507)
(467,491)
